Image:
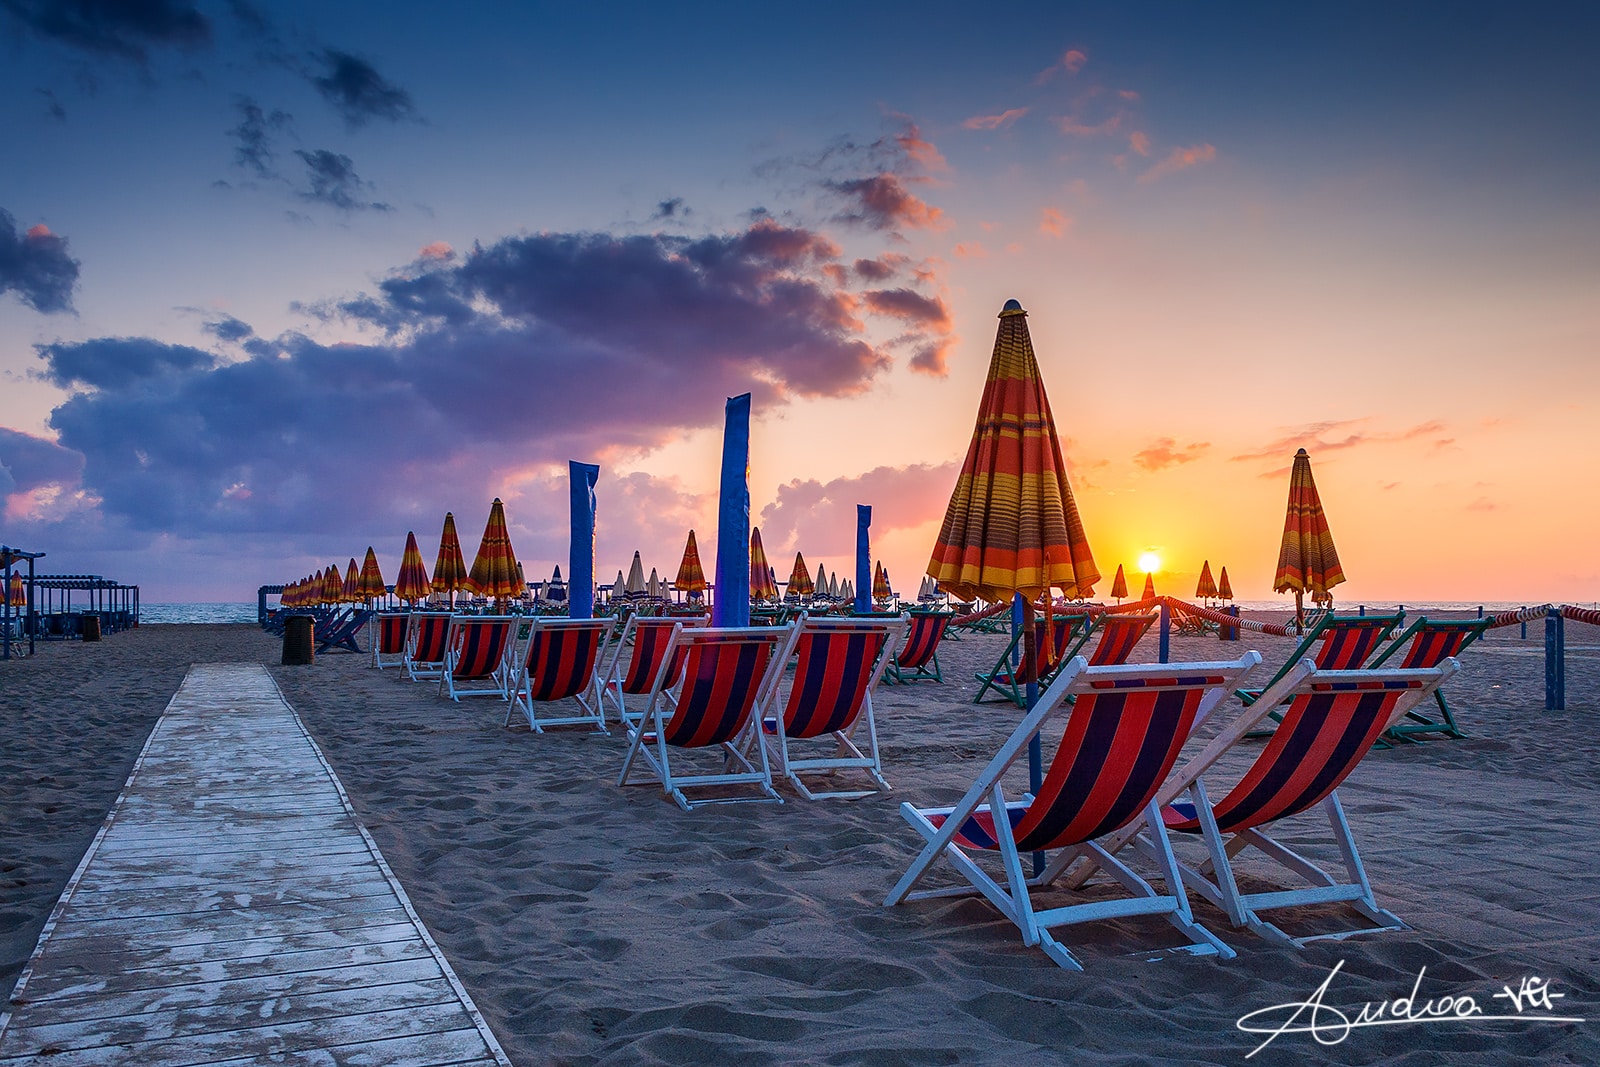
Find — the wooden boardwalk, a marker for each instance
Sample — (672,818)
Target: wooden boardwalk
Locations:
(233,911)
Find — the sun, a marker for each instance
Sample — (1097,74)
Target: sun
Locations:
(1149,562)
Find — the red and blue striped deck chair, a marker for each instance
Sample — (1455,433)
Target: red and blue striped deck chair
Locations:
(1125,726)
(561,664)
(918,658)
(1119,635)
(426,644)
(1068,633)
(1342,643)
(1331,722)
(389,644)
(726,674)
(475,656)
(838,663)
(1432,641)
(644,639)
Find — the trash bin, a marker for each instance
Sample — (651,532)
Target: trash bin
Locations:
(299,645)
(90,627)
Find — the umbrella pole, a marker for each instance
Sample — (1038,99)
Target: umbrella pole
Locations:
(1299,610)
(1022,615)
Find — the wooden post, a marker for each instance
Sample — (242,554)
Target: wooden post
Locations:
(1555,661)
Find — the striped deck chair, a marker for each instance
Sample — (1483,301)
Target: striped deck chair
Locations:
(1119,634)
(1333,718)
(389,645)
(560,664)
(1346,641)
(644,640)
(839,661)
(1432,642)
(918,658)
(1068,633)
(726,673)
(1124,729)
(425,644)
(475,656)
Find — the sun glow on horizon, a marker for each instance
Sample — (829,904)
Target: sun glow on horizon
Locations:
(1149,562)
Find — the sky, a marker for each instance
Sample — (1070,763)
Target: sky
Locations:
(280,282)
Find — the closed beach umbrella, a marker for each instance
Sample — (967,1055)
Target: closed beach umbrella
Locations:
(332,585)
(1149,587)
(619,588)
(762,587)
(847,592)
(880,583)
(352,583)
(371,583)
(16,595)
(449,569)
(833,586)
(1224,587)
(800,583)
(691,577)
(494,568)
(819,585)
(1307,561)
(1011,525)
(522,582)
(652,588)
(1207,586)
(635,583)
(412,585)
(1119,584)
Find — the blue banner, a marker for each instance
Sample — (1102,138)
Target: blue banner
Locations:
(580,561)
(863,559)
(731,606)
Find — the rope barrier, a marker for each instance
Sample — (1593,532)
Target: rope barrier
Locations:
(1276,628)
(1512,618)
(978,616)
(1577,614)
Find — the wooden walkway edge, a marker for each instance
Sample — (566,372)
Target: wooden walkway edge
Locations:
(232,910)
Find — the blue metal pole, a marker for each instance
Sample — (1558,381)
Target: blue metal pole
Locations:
(863,602)
(580,557)
(732,604)
(1555,661)
(1524,624)
(1166,633)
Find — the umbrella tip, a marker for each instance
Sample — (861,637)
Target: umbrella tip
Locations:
(1013,307)
(1303,452)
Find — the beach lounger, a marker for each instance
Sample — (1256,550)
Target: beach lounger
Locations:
(1125,726)
(1431,643)
(726,672)
(1068,633)
(476,653)
(918,657)
(644,642)
(425,644)
(1119,635)
(560,664)
(1332,719)
(389,643)
(838,662)
(1333,643)
(344,633)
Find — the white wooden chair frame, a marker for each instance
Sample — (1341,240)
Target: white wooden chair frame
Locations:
(419,670)
(616,671)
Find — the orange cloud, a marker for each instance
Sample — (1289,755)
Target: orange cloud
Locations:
(1072,127)
(1166,452)
(1318,437)
(919,150)
(436,250)
(883,202)
(1180,159)
(1071,61)
(39,230)
(995,122)
(971,250)
(1139,142)
(1053,223)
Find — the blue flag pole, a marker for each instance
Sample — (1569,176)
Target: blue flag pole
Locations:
(732,604)
(580,559)
(863,559)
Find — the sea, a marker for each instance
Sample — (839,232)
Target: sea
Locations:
(154,614)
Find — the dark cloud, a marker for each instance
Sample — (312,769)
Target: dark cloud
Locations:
(28,462)
(120,363)
(254,134)
(331,179)
(36,267)
(882,202)
(123,28)
(228,328)
(359,93)
(670,209)
(52,106)
(879,270)
(930,328)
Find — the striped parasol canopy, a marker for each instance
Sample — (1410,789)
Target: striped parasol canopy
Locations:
(1149,587)
(1012,525)
(691,577)
(800,583)
(351,592)
(762,586)
(332,585)
(371,584)
(449,569)
(847,591)
(635,582)
(880,583)
(412,585)
(1307,560)
(1207,586)
(1119,584)
(819,584)
(619,588)
(652,588)
(16,595)
(494,568)
(1224,587)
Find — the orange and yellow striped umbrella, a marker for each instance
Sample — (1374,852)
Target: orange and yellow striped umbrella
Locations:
(762,587)
(1119,584)
(16,595)
(1149,587)
(371,583)
(1207,586)
(800,583)
(1307,561)
(352,583)
(1224,587)
(880,583)
(691,577)
(412,585)
(332,585)
(1012,525)
(449,569)
(494,568)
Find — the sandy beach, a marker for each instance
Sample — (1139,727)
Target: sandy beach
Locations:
(598,925)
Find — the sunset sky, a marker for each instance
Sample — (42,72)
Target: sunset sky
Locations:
(278,282)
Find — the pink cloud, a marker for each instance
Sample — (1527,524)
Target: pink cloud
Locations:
(436,250)
(1071,61)
(995,122)
(883,202)
(971,250)
(1139,142)
(1180,159)
(930,330)
(1128,94)
(1166,452)
(1053,222)
(1335,436)
(39,230)
(820,518)
(1073,127)
(920,150)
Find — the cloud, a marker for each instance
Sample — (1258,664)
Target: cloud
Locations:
(880,269)
(254,134)
(52,106)
(1483,505)
(970,250)
(1074,126)
(930,328)
(918,150)
(672,208)
(1139,142)
(439,251)
(28,463)
(1334,436)
(119,363)
(358,92)
(1053,222)
(1180,159)
(331,179)
(36,267)
(994,122)
(1071,61)
(123,28)
(228,328)
(1166,452)
(883,202)
(820,517)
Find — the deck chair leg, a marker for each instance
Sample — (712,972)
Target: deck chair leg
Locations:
(1355,869)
